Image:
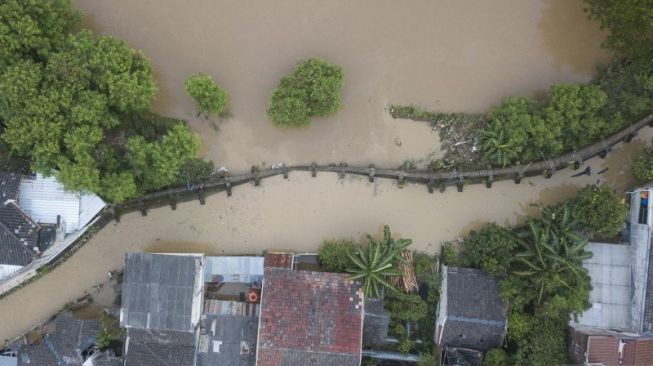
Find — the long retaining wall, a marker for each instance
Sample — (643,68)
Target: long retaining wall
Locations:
(432,179)
(223,181)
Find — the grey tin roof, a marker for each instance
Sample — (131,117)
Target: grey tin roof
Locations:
(476,315)
(228,340)
(233,269)
(158,291)
(159,348)
(375,322)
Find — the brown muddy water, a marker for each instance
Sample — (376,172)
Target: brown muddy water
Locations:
(461,55)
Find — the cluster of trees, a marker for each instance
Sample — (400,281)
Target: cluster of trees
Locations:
(541,272)
(521,129)
(311,90)
(76,105)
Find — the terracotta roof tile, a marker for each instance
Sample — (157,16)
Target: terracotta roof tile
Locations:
(309,318)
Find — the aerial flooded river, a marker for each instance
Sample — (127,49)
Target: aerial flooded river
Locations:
(461,55)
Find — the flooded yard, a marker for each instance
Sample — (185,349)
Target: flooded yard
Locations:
(462,55)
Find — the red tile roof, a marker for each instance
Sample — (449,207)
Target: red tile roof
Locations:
(278,260)
(605,349)
(309,318)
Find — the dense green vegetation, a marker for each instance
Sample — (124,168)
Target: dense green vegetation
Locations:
(630,25)
(110,332)
(76,106)
(643,165)
(333,254)
(311,90)
(207,94)
(541,272)
(599,211)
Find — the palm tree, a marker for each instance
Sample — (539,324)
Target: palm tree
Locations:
(550,260)
(377,262)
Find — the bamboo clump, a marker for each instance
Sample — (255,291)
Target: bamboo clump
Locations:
(407,282)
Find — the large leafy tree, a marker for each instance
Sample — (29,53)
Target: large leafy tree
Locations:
(312,90)
(490,249)
(599,211)
(630,25)
(33,28)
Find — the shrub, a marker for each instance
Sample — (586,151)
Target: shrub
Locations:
(495,357)
(333,254)
(599,211)
(423,263)
(109,332)
(643,165)
(490,249)
(208,95)
(427,359)
(405,307)
(450,257)
(405,346)
(313,89)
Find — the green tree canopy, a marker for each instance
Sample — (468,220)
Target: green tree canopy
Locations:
(313,89)
(333,254)
(73,104)
(490,249)
(31,29)
(643,165)
(207,94)
(630,25)
(599,211)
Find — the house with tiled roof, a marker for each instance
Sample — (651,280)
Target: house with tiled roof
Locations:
(34,210)
(71,342)
(472,317)
(309,318)
(592,346)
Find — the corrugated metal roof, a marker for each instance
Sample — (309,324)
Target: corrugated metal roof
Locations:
(43,198)
(233,269)
(159,292)
(610,270)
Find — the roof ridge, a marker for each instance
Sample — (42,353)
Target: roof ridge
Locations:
(22,212)
(20,244)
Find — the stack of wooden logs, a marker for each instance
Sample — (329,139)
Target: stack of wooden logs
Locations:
(407,282)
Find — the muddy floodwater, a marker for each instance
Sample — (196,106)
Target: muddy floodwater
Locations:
(298,214)
(461,55)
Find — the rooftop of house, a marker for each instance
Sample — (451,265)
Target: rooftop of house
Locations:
(612,348)
(610,270)
(44,199)
(21,225)
(161,292)
(228,340)
(376,322)
(233,269)
(13,252)
(640,219)
(145,347)
(472,315)
(9,186)
(309,318)
(278,260)
(64,345)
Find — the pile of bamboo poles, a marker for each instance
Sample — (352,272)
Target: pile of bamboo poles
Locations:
(407,282)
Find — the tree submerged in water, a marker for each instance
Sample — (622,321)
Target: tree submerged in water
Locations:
(312,90)
(207,94)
